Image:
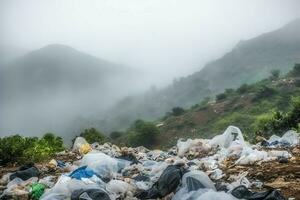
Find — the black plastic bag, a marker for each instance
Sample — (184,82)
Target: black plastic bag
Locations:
(94,194)
(25,174)
(167,183)
(241,192)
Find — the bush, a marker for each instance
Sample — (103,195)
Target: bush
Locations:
(177,111)
(142,134)
(281,122)
(93,135)
(29,149)
(275,74)
(243,89)
(296,70)
(115,135)
(221,96)
(264,92)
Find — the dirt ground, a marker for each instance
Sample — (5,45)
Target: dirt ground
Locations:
(282,176)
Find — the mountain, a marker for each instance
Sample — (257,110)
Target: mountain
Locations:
(56,84)
(248,62)
(253,59)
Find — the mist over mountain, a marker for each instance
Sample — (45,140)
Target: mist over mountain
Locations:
(248,62)
(46,89)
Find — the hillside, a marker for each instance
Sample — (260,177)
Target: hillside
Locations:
(247,107)
(248,62)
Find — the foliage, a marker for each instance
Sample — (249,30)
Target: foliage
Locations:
(275,73)
(177,111)
(243,89)
(115,135)
(280,122)
(296,70)
(93,135)
(142,133)
(264,92)
(20,149)
(221,96)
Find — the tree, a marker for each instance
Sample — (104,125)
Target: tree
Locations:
(177,111)
(115,135)
(221,96)
(93,135)
(275,74)
(243,89)
(142,133)
(296,70)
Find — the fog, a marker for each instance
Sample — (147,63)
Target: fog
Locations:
(158,40)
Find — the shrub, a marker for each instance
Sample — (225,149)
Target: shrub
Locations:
(115,135)
(142,134)
(281,122)
(20,149)
(221,96)
(296,70)
(243,89)
(275,74)
(93,135)
(264,92)
(177,111)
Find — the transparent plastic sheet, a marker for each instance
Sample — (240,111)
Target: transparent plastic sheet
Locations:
(66,185)
(105,166)
(206,192)
(15,185)
(291,137)
(118,188)
(193,146)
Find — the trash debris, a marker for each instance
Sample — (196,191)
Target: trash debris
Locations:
(82,172)
(90,194)
(167,183)
(224,167)
(241,192)
(37,190)
(25,173)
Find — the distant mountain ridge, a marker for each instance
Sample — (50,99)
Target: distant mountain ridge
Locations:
(56,84)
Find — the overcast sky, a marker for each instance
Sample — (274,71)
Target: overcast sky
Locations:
(166,38)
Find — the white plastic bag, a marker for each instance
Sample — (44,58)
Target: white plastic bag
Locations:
(231,134)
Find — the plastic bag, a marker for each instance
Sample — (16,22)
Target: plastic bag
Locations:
(103,165)
(90,194)
(25,174)
(202,179)
(241,192)
(79,141)
(167,183)
(231,134)
(291,137)
(192,146)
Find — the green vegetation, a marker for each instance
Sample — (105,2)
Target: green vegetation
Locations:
(270,106)
(141,133)
(177,111)
(93,135)
(29,149)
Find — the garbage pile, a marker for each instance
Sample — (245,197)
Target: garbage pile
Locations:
(195,169)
